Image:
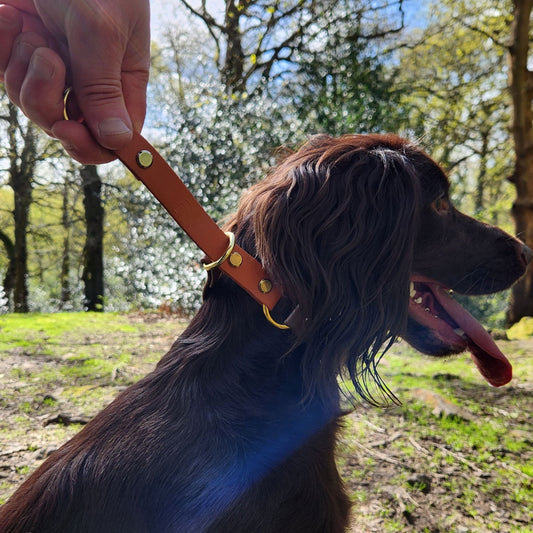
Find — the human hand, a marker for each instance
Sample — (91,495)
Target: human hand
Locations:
(99,47)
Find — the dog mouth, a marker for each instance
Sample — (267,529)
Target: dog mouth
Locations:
(432,305)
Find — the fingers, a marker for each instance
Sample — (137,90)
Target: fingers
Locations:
(105,50)
(110,91)
(35,81)
(134,85)
(109,58)
(80,144)
(10,27)
(42,99)
(23,48)
(97,82)
(42,89)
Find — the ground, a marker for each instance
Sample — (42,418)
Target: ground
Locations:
(455,456)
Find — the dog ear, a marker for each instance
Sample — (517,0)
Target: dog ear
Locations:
(335,226)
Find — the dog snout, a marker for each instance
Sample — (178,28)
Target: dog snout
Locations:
(526,254)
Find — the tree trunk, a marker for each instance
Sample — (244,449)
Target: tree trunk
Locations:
(22,166)
(482,174)
(521,88)
(233,71)
(9,278)
(23,194)
(64,275)
(93,257)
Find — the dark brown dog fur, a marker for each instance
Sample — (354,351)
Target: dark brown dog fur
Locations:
(235,429)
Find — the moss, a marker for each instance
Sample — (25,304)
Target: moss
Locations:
(522,329)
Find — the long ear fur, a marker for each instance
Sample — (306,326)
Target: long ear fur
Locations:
(334,224)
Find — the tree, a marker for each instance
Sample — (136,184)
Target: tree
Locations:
(9,277)
(93,251)
(31,168)
(521,88)
(344,85)
(258,40)
(22,155)
(69,193)
(453,77)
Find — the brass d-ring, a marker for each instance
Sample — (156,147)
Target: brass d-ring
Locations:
(227,253)
(271,320)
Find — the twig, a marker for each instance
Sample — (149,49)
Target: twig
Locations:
(468,463)
(378,455)
(418,447)
(13,450)
(384,442)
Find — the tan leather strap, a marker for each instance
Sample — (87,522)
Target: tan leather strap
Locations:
(143,160)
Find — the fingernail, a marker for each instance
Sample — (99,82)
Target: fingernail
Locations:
(41,68)
(113,127)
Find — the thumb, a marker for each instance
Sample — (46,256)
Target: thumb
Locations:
(104,110)
(97,67)
(109,55)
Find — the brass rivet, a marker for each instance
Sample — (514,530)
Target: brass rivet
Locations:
(265,286)
(145,159)
(235,259)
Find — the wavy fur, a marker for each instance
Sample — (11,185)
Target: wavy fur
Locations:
(235,429)
(335,225)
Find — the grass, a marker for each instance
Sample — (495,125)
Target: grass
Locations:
(480,468)
(73,362)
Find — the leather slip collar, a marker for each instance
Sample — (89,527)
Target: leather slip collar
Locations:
(147,165)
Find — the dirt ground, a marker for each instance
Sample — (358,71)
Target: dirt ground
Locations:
(398,463)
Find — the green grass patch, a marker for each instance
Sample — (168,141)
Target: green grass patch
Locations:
(38,330)
(480,467)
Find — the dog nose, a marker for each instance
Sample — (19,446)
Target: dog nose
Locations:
(527,254)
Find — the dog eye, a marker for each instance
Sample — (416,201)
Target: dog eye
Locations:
(441,205)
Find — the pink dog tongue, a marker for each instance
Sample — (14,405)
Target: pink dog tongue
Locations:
(491,362)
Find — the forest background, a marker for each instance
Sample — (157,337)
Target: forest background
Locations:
(231,83)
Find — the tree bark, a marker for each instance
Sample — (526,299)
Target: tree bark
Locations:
(9,278)
(93,252)
(23,195)
(521,88)
(64,275)
(22,166)
(233,71)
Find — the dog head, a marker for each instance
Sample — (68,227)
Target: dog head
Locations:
(360,233)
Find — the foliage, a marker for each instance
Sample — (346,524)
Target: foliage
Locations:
(258,41)
(344,83)
(454,80)
(306,66)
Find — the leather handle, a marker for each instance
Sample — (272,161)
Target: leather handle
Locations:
(147,165)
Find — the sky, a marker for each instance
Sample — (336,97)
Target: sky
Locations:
(165,11)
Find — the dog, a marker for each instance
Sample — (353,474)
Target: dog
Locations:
(235,429)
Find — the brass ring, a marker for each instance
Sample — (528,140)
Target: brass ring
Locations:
(66,94)
(271,320)
(227,253)
(69,93)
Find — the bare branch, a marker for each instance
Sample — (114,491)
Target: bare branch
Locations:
(204,15)
(481,31)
